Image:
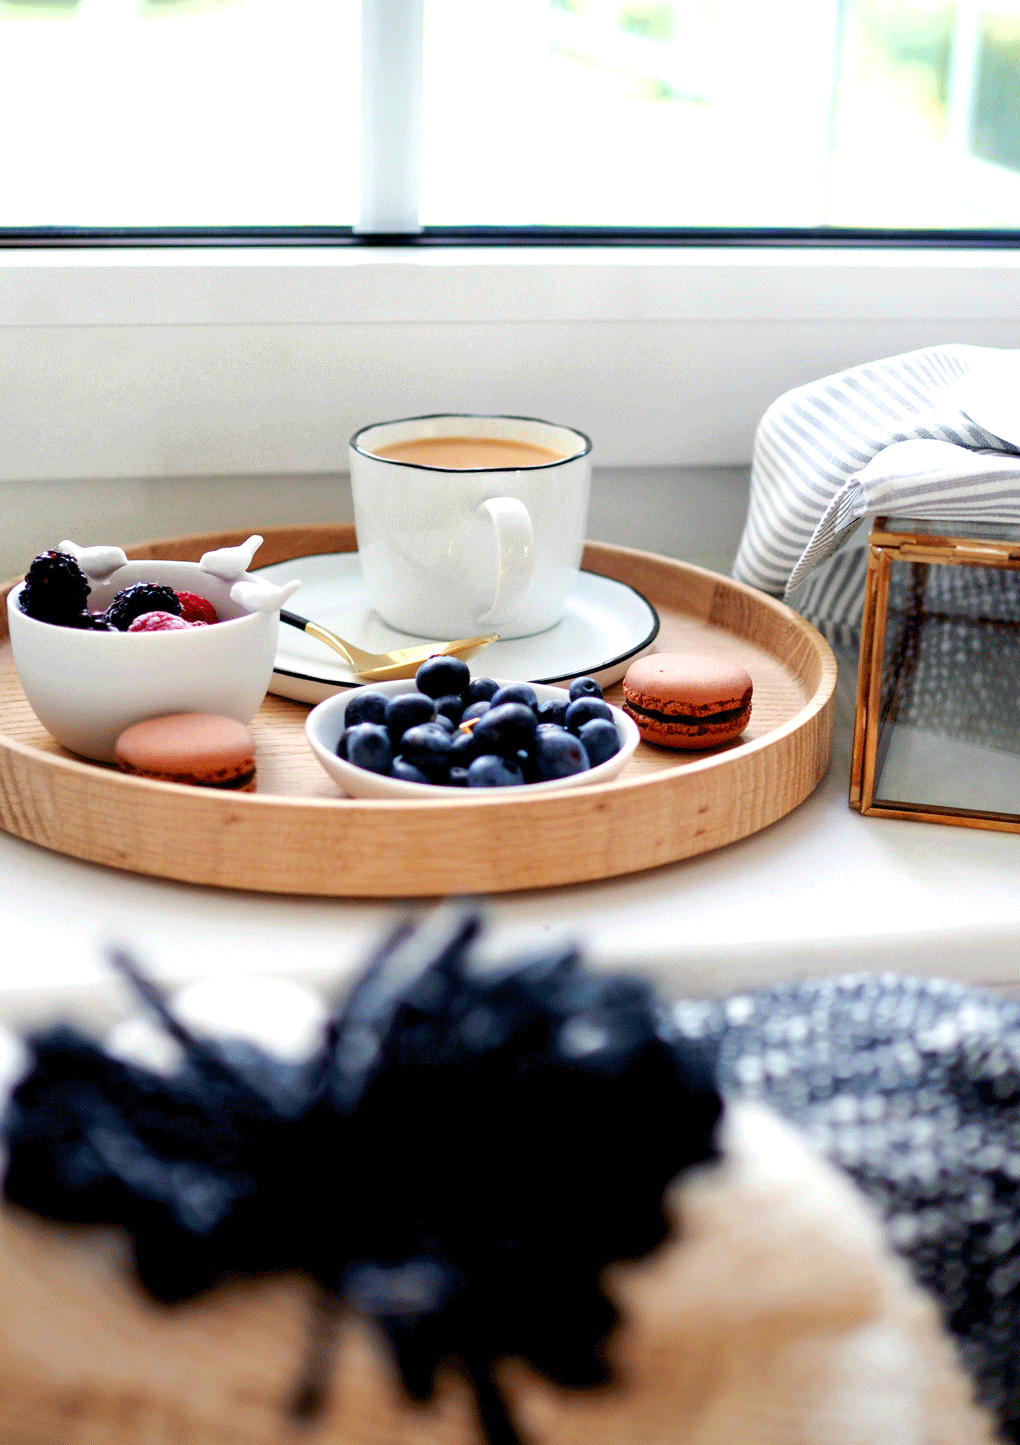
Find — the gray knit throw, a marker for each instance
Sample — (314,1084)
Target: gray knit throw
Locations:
(912,1087)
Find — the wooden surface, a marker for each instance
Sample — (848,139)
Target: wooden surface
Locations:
(298,834)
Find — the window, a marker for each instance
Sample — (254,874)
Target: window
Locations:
(148,353)
(676,115)
(617,113)
(179,113)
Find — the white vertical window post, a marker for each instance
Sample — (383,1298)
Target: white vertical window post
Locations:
(391,66)
(963,75)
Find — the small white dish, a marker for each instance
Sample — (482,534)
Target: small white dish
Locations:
(325,723)
(87,687)
(605,627)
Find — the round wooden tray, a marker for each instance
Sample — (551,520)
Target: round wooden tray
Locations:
(298,834)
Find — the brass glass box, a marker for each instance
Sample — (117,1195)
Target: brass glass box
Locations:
(937,727)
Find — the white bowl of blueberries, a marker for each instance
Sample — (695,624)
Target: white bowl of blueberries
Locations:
(444,731)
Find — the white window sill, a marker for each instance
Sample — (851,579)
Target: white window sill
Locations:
(204,362)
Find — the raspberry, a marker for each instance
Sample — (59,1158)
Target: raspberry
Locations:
(195,608)
(131,602)
(56,589)
(159,622)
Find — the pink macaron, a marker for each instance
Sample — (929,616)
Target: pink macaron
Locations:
(203,749)
(682,700)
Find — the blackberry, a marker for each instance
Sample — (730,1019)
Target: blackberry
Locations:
(56,589)
(131,602)
(92,622)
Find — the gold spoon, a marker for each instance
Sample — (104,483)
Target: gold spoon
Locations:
(387,666)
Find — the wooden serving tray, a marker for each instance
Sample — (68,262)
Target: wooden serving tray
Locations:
(298,834)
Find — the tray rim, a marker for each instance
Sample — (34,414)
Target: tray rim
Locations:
(234,805)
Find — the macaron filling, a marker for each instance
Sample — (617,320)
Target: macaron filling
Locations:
(689,719)
(240,781)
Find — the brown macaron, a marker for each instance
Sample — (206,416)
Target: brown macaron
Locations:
(681,700)
(200,748)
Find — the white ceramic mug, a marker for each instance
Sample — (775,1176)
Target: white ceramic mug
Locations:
(454,552)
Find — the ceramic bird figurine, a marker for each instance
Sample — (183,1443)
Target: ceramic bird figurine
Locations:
(97,563)
(230,563)
(261,596)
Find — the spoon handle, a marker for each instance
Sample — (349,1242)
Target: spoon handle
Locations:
(293,619)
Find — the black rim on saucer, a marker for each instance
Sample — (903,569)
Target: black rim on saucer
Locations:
(548,681)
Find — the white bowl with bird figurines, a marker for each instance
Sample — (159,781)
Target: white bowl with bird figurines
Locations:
(86,687)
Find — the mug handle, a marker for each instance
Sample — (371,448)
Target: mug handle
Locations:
(515,541)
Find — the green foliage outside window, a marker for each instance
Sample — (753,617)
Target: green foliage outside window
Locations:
(996,133)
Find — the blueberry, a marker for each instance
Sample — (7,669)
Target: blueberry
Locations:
(506,728)
(440,676)
(584,709)
(407,710)
(515,692)
(601,740)
(368,746)
(489,771)
(553,711)
(584,687)
(526,762)
(476,709)
(451,706)
(458,778)
(406,772)
(462,748)
(480,689)
(365,707)
(427,747)
(341,747)
(559,755)
(445,722)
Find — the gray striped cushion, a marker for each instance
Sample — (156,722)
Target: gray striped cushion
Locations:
(815,476)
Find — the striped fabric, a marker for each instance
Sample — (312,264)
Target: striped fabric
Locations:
(895,437)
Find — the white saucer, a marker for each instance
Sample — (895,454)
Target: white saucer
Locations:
(606,625)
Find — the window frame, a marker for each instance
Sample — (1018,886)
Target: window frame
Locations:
(461,237)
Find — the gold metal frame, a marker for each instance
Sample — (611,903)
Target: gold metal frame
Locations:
(884,548)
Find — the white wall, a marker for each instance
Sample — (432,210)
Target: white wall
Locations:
(696,513)
(141,364)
